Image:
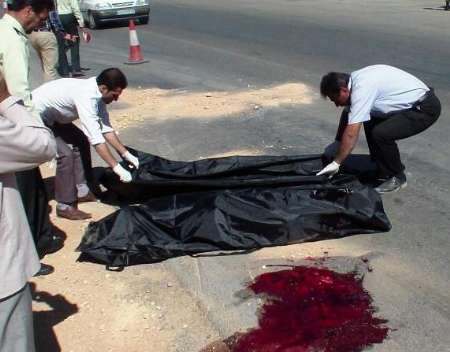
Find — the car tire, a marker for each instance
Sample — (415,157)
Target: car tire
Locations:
(92,21)
(144,20)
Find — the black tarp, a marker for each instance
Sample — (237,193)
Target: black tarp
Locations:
(228,204)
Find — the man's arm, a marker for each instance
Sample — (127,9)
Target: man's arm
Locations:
(24,141)
(15,71)
(104,153)
(113,140)
(348,141)
(77,13)
(56,24)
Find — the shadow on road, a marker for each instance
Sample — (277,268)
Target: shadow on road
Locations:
(44,321)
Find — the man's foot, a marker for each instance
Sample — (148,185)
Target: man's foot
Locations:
(90,197)
(72,213)
(45,270)
(85,69)
(78,74)
(392,184)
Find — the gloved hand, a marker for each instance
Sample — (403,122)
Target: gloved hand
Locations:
(124,175)
(330,169)
(131,159)
(331,150)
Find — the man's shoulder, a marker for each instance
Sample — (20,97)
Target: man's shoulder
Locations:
(11,36)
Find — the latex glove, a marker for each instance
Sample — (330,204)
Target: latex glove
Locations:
(131,159)
(331,150)
(330,169)
(124,175)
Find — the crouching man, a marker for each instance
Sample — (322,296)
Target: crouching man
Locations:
(391,104)
(59,103)
(24,144)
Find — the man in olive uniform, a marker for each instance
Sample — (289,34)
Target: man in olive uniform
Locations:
(23,16)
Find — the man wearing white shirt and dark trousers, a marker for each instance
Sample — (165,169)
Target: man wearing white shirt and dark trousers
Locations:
(391,104)
(62,101)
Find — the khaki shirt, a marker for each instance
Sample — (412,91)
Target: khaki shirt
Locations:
(24,144)
(66,7)
(14,59)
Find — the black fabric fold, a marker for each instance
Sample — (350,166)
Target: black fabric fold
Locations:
(228,204)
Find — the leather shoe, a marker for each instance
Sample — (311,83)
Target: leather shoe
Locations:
(90,197)
(72,213)
(45,270)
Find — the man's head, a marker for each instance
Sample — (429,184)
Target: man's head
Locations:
(111,82)
(334,85)
(30,13)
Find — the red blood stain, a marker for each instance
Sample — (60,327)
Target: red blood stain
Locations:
(313,310)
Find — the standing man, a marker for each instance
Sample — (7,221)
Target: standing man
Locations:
(24,143)
(391,104)
(61,102)
(44,41)
(23,16)
(71,18)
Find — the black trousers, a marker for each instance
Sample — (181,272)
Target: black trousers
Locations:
(382,132)
(32,190)
(70,25)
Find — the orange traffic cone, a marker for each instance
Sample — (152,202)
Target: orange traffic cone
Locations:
(135,49)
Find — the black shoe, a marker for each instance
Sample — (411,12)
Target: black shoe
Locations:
(392,184)
(56,243)
(78,74)
(45,270)
(85,69)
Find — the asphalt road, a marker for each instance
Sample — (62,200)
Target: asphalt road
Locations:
(203,45)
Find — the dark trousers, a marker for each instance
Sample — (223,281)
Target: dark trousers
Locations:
(383,131)
(74,164)
(70,25)
(34,197)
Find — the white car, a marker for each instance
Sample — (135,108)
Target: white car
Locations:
(96,12)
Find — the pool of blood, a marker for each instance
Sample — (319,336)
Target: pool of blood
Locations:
(312,310)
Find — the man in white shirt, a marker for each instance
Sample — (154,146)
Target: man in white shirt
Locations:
(62,101)
(391,104)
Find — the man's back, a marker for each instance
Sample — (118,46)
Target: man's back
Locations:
(58,100)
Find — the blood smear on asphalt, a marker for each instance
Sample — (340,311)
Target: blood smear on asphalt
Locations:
(313,310)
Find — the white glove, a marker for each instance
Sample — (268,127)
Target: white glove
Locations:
(124,175)
(331,149)
(131,159)
(330,169)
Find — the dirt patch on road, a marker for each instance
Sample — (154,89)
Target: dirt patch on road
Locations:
(140,105)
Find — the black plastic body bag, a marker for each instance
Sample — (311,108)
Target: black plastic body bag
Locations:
(228,204)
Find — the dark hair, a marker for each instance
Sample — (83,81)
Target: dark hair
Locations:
(112,78)
(37,5)
(332,82)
